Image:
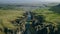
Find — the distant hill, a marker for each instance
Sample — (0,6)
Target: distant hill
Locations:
(18,6)
(55,8)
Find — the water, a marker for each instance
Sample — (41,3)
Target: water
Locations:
(28,24)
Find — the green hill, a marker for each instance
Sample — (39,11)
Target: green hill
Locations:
(50,16)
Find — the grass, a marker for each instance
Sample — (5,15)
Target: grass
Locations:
(50,16)
(2,33)
(8,15)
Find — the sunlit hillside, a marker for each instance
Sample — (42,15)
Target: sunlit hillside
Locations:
(8,15)
(11,13)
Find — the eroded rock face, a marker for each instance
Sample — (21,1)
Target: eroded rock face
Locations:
(41,27)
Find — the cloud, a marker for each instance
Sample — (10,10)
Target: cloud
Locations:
(27,1)
(52,0)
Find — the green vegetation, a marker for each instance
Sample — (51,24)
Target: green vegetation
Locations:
(55,9)
(8,15)
(50,16)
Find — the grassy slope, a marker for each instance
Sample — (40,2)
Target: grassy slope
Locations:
(8,15)
(50,16)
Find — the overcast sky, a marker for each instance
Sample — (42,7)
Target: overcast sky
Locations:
(27,1)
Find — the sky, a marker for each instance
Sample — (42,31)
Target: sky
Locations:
(27,1)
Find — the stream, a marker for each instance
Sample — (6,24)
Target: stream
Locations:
(28,24)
